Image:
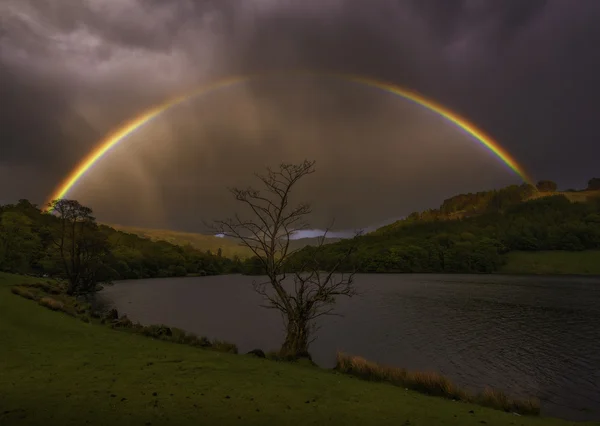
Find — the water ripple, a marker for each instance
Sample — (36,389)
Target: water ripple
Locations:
(529,336)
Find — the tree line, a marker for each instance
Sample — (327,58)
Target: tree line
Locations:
(70,242)
(66,242)
(431,242)
(468,233)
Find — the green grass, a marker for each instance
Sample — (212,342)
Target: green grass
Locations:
(553,262)
(56,369)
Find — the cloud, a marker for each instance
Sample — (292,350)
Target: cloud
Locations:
(526,72)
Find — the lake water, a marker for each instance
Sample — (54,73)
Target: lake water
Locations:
(529,336)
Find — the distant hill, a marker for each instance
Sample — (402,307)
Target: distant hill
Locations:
(229,247)
(473,204)
(514,229)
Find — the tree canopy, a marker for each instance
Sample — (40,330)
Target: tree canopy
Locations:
(29,239)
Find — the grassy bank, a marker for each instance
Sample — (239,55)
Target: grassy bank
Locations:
(57,369)
(432,383)
(553,262)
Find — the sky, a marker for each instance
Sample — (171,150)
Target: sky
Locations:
(72,71)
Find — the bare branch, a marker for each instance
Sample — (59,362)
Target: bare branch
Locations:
(312,293)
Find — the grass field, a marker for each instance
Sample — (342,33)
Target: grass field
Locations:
(58,370)
(553,262)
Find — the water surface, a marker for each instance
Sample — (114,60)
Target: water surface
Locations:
(529,336)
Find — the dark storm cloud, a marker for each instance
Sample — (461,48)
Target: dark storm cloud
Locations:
(525,71)
(449,18)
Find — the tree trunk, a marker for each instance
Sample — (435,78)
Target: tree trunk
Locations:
(296,339)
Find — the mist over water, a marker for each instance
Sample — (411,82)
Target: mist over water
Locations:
(528,336)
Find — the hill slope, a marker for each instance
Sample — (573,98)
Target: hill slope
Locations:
(228,246)
(473,233)
(201,242)
(473,204)
(59,370)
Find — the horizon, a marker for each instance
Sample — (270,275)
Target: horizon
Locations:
(437,107)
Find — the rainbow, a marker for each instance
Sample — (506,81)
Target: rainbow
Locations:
(131,126)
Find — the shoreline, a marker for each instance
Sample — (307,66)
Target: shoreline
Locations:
(498,398)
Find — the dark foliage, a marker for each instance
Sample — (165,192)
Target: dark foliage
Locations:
(594,184)
(546,186)
(28,246)
(431,242)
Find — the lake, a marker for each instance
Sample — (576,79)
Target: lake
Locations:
(529,336)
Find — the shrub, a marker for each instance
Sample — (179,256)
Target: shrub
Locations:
(203,342)
(157,331)
(111,315)
(184,338)
(546,186)
(123,322)
(51,303)
(257,353)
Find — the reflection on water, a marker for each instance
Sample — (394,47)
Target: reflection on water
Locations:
(530,336)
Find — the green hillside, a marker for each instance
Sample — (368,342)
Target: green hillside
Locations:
(473,204)
(57,369)
(486,232)
(28,245)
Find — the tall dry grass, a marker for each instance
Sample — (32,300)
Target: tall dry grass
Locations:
(432,383)
(23,292)
(51,303)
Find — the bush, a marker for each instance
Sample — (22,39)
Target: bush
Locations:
(257,353)
(112,315)
(594,184)
(157,331)
(546,186)
(123,322)
(184,338)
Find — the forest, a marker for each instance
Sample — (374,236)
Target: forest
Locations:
(30,238)
(472,233)
(469,233)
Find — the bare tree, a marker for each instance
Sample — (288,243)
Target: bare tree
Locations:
(80,246)
(274,222)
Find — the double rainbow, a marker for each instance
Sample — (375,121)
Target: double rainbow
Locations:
(131,126)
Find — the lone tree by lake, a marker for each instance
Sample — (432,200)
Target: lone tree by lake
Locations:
(310,291)
(80,246)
